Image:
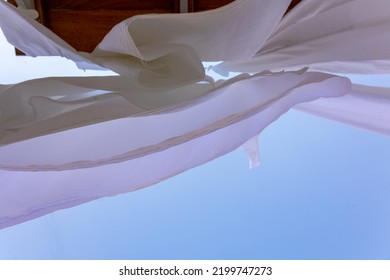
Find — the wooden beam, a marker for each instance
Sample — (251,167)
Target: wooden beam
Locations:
(176,6)
(204,5)
(13,2)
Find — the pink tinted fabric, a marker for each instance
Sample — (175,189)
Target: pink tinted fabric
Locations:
(67,141)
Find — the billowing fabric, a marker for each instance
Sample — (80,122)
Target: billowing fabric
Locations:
(67,141)
(337,36)
(364,107)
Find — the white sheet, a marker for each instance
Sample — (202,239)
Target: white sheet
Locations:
(64,169)
(66,141)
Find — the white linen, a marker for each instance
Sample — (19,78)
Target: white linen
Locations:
(61,170)
(337,36)
(214,35)
(66,141)
(364,107)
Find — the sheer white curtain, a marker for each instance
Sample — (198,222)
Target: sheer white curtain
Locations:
(66,141)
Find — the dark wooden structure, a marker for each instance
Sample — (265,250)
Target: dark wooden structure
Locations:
(84,23)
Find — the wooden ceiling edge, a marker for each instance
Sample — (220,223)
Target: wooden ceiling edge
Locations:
(39,7)
(176,6)
(191,5)
(13,2)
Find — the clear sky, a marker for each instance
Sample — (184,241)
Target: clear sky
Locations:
(321,192)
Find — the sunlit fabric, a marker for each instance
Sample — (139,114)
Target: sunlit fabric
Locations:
(364,107)
(67,141)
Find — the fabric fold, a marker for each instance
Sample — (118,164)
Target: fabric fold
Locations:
(180,65)
(109,158)
(251,147)
(337,36)
(34,39)
(49,105)
(67,141)
(220,34)
(364,107)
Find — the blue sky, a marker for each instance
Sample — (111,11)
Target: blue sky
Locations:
(321,192)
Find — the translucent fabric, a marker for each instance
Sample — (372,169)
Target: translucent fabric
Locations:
(337,36)
(364,107)
(64,169)
(67,141)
